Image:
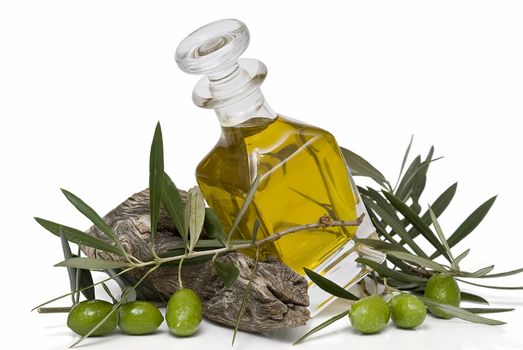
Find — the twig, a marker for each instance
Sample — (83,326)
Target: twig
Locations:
(51,310)
(256,244)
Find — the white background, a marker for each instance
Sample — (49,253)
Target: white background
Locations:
(82,85)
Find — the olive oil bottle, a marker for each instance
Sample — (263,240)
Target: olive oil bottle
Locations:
(301,171)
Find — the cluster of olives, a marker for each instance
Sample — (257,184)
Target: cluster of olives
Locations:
(183,316)
(372,314)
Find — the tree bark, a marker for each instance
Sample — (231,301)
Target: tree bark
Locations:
(277,297)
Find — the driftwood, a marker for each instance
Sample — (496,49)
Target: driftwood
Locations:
(277,298)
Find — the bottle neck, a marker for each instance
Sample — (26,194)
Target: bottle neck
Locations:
(253,105)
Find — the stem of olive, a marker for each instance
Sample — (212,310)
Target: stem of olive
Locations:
(51,310)
(256,244)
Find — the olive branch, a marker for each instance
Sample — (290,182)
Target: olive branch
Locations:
(189,220)
(395,212)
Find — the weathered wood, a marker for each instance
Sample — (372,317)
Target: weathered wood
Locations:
(278,295)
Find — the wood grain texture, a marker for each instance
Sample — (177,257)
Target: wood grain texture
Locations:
(278,295)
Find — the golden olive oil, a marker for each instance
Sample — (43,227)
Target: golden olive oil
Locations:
(302,176)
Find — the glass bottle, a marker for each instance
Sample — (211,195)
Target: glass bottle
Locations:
(301,170)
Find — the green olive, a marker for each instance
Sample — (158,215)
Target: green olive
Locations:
(370,315)
(442,288)
(408,311)
(139,317)
(184,312)
(87,314)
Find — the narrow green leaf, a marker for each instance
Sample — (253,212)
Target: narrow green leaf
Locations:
(473,298)
(420,180)
(503,274)
(404,161)
(130,293)
(245,206)
(227,271)
(477,274)
(361,167)
(213,226)
(405,187)
(196,207)
(398,227)
(78,237)
(440,233)
(82,289)
(85,284)
(77,278)
(416,221)
(472,221)
(438,207)
(322,326)
(417,260)
(488,286)
(379,199)
(70,271)
(92,216)
(245,296)
(459,259)
(156,181)
(108,291)
(329,286)
(389,273)
(172,203)
(476,310)
(461,313)
(92,264)
(378,245)
(255,231)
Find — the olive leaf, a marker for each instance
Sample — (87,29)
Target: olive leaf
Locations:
(172,203)
(361,167)
(460,313)
(440,233)
(81,289)
(245,205)
(85,283)
(78,237)
(438,207)
(246,295)
(92,264)
(405,185)
(418,260)
(109,293)
(459,258)
(472,221)
(476,310)
(489,286)
(473,298)
(389,273)
(92,215)
(227,271)
(477,274)
(420,180)
(503,274)
(322,326)
(255,230)
(397,226)
(70,271)
(329,286)
(194,216)
(156,181)
(404,161)
(417,222)
(213,226)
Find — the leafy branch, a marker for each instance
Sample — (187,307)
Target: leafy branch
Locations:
(397,215)
(189,219)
